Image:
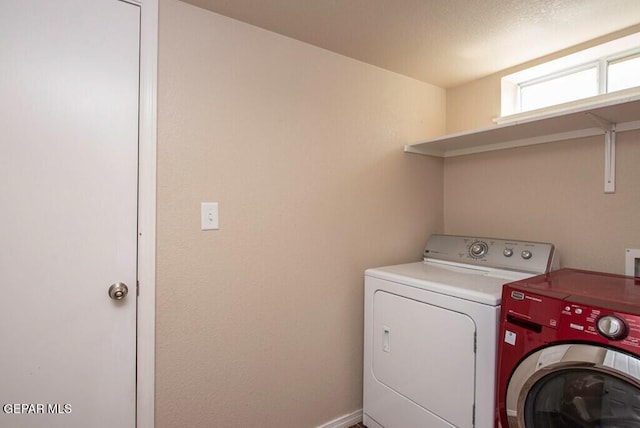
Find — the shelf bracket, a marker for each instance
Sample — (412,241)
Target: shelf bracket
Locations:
(609,152)
(610,159)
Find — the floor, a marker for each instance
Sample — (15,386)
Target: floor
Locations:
(358,425)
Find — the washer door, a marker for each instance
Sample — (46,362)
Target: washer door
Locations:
(575,385)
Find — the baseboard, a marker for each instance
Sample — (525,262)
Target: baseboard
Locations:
(344,421)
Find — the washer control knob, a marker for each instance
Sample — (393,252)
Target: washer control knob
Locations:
(526,254)
(612,327)
(478,249)
(508,252)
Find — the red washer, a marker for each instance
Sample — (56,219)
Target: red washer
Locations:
(569,351)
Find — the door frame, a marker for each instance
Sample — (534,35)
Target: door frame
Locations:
(145,352)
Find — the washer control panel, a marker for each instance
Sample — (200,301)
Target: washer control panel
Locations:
(585,322)
(533,257)
(569,318)
(574,305)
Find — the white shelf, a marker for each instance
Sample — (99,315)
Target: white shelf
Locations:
(558,125)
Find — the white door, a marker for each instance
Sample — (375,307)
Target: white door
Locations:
(68,213)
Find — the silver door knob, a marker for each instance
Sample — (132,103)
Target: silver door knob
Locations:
(118,291)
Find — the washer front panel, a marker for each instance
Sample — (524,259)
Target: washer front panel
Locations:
(569,320)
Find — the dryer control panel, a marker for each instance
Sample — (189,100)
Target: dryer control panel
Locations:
(523,256)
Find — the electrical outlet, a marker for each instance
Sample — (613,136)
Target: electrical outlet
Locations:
(209,216)
(632,262)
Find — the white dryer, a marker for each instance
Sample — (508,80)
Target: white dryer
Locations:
(430,333)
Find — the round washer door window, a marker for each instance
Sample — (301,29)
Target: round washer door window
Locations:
(575,386)
(582,398)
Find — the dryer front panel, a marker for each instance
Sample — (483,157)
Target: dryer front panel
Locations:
(427,354)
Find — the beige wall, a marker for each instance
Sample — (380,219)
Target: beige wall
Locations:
(260,322)
(551,192)
(473,105)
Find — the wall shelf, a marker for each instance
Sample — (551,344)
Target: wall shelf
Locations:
(577,122)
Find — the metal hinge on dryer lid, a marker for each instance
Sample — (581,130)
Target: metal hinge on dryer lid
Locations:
(475,342)
(137,288)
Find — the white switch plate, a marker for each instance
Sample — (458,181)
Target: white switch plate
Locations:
(632,262)
(209,216)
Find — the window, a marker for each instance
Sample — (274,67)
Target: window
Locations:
(559,88)
(607,68)
(623,73)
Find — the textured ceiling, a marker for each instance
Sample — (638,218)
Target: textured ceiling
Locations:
(443,42)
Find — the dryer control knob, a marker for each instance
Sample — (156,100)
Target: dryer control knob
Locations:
(478,249)
(612,327)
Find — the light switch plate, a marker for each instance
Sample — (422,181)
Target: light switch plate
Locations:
(209,216)
(632,262)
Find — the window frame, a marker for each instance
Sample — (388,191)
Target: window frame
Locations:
(595,65)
